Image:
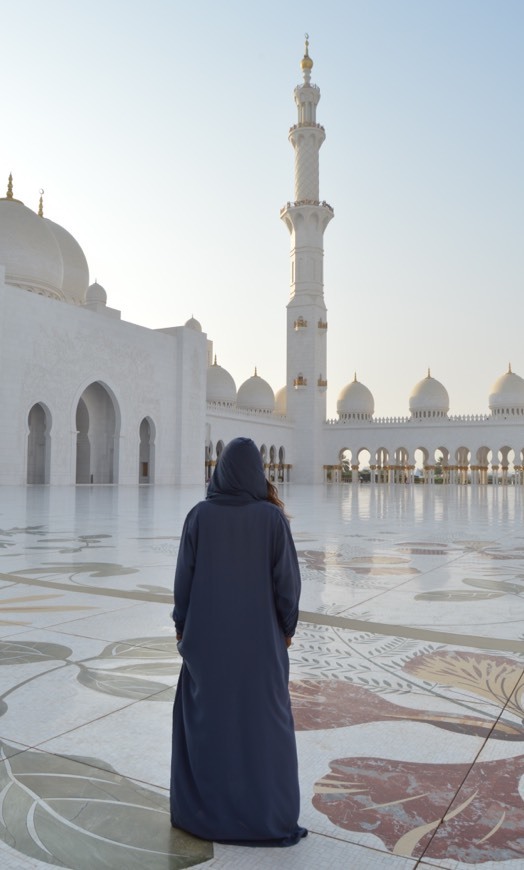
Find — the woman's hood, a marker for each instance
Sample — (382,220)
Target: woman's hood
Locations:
(239,472)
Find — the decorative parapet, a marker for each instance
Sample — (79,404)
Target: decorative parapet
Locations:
(416,421)
(226,410)
(300,202)
(302,124)
(470,418)
(322,324)
(300,323)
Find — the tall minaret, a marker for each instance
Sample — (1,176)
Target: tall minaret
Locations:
(306,219)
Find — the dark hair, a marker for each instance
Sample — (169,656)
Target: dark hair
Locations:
(273,497)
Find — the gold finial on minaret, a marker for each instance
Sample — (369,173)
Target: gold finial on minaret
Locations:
(41,204)
(306,63)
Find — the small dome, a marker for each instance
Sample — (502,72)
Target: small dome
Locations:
(429,398)
(355,402)
(255,394)
(29,250)
(96,293)
(507,393)
(281,401)
(75,280)
(220,387)
(192,323)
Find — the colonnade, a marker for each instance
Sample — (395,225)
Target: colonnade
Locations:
(475,475)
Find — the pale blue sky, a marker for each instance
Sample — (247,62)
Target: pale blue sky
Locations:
(159,133)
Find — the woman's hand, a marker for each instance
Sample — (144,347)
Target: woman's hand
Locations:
(179,637)
(289,641)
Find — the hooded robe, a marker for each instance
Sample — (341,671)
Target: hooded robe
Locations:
(234,775)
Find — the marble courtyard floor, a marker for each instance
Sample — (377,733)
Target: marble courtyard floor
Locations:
(406,678)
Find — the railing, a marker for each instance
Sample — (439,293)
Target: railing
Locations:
(298,202)
(302,124)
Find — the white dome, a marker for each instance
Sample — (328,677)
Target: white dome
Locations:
(355,402)
(29,250)
(507,393)
(281,401)
(76,272)
(220,387)
(429,398)
(96,293)
(255,394)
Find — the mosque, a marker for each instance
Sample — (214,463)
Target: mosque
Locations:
(88,398)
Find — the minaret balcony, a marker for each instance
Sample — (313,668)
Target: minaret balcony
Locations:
(322,384)
(300,323)
(300,202)
(322,324)
(300,382)
(303,124)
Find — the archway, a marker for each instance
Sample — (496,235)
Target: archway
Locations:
(462,457)
(146,455)
(420,459)
(345,458)
(364,463)
(38,445)
(382,465)
(97,427)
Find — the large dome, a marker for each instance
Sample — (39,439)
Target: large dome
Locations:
(39,255)
(281,401)
(255,394)
(355,402)
(220,387)
(429,398)
(507,394)
(75,279)
(29,250)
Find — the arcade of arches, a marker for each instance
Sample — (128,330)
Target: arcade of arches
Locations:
(97,436)
(462,466)
(274,461)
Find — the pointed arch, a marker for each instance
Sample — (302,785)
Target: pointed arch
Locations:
(146,455)
(38,444)
(98,432)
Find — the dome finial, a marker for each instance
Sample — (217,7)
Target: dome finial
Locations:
(306,63)
(355,378)
(255,375)
(9,194)
(215,362)
(429,372)
(509,369)
(41,203)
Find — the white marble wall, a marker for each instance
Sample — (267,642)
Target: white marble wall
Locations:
(50,352)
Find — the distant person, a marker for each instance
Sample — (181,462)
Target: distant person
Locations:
(234,773)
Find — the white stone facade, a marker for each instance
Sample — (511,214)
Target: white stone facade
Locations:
(89,399)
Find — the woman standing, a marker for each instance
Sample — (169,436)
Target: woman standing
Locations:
(234,775)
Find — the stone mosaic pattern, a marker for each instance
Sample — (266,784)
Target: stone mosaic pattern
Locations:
(407,679)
